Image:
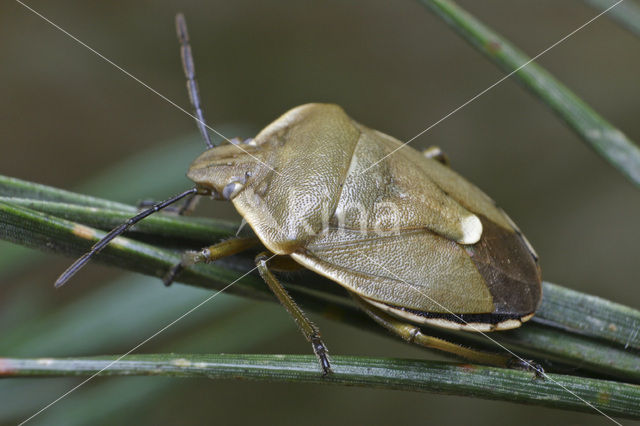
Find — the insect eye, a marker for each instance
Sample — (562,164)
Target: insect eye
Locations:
(231,190)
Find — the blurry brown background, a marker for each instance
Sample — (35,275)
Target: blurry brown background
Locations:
(66,114)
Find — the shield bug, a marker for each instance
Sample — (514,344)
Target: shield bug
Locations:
(411,240)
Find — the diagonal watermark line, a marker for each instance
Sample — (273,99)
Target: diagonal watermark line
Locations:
(493,85)
(138,345)
(142,83)
(414,287)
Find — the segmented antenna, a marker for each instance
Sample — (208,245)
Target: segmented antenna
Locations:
(190,73)
(115,232)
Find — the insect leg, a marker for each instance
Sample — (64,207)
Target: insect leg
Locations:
(308,329)
(435,153)
(188,206)
(209,254)
(413,334)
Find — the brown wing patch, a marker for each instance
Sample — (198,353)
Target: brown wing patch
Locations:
(510,270)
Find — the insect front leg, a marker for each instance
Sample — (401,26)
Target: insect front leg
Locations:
(209,254)
(413,334)
(308,329)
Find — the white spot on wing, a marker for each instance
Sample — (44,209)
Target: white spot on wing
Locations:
(471,230)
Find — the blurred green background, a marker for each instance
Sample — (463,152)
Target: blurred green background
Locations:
(71,120)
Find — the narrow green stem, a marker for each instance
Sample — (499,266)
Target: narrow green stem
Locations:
(626,14)
(558,391)
(598,133)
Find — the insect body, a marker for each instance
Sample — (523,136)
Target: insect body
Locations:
(411,240)
(408,234)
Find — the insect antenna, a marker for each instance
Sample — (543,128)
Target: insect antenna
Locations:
(190,73)
(97,247)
